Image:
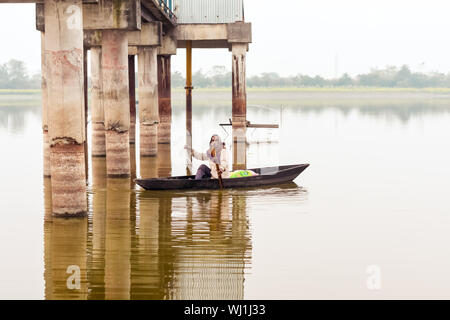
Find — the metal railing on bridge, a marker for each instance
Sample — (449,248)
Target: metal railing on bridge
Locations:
(167,7)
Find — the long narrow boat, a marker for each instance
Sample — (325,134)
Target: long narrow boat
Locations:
(266,176)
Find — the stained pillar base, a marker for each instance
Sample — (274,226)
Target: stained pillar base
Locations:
(117,154)
(98,140)
(46,146)
(68,180)
(149,142)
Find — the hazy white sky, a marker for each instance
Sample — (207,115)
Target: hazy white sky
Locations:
(298,36)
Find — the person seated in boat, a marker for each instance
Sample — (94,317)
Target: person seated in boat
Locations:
(217,154)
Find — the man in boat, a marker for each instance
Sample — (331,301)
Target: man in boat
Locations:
(218,160)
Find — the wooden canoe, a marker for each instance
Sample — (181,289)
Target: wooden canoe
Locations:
(267,176)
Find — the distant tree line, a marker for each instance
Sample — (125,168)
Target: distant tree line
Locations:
(218,77)
(14,75)
(389,77)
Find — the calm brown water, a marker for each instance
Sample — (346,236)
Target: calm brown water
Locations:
(375,196)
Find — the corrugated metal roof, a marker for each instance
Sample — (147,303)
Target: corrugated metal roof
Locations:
(209,11)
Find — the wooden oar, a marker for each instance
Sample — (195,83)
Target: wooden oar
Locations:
(188,160)
(219,174)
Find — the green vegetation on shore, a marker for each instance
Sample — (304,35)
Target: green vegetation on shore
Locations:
(324,89)
(19,91)
(14,79)
(390,77)
(14,75)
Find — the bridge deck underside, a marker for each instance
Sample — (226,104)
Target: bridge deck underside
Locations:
(205,44)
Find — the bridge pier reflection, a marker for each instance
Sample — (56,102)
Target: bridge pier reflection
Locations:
(65,254)
(96,265)
(213,248)
(118,239)
(195,246)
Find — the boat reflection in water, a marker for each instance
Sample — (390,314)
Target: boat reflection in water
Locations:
(149,245)
(214,247)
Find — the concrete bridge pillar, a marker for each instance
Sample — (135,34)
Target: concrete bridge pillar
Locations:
(116,102)
(188,89)
(132,87)
(239,109)
(165,98)
(148,100)
(46,144)
(97,111)
(164,161)
(86,111)
(66,117)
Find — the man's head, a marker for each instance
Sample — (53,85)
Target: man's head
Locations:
(214,137)
(215,147)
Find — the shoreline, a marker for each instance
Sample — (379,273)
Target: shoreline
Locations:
(277,89)
(207,97)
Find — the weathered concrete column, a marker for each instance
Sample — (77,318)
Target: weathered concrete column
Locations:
(46,144)
(116,102)
(148,101)
(159,166)
(239,109)
(164,100)
(97,111)
(132,163)
(189,106)
(239,149)
(86,110)
(148,167)
(132,86)
(164,161)
(64,57)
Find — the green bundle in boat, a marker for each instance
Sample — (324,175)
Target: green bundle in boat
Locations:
(242,174)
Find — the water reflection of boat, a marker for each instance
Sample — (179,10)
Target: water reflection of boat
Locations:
(266,176)
(191,247)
